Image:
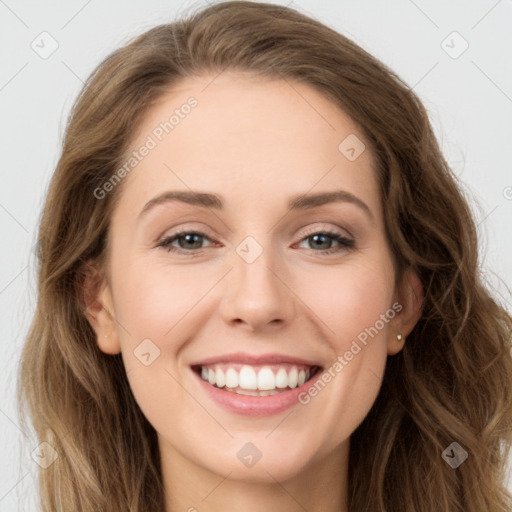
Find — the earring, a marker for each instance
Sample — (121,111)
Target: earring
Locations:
(399,337)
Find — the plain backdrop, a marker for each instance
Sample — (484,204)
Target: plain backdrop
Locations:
(456,56)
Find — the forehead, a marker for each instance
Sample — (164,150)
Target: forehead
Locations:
(264,137)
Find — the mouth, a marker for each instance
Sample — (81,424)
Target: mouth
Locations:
(257,380)
(255,385)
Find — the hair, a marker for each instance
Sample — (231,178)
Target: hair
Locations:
(450,383)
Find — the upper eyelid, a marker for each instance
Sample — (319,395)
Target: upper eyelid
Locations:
(206,235)
(205,231)
(335,231)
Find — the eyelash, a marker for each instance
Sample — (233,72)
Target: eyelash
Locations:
(346,243)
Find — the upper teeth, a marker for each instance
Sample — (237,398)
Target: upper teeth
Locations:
(253,378)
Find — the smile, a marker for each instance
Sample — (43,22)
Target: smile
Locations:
(255,385)
(256,380)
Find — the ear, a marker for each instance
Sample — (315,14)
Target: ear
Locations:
(409,296)
(96,298)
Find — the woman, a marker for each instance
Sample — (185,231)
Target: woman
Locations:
(194,348)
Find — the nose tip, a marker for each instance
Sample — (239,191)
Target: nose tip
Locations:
(256,296)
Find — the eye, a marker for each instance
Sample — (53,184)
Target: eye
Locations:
(187,240)
(323,240)
(191,241)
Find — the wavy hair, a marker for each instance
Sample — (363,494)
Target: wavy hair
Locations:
(452,382)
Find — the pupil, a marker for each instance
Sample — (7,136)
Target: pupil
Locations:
(315,237)
(188,238)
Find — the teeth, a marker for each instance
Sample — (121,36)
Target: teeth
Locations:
(292,378)
(266,379)
(281,378)
(232,378)
(249,381)
(220,380)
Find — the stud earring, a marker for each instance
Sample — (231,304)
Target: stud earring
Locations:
(399,337)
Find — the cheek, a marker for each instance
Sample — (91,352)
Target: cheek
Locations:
(357,306)
(153,299)
(154,307)
(351,298)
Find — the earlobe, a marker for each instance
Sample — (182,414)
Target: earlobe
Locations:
(410,297)
(97,301)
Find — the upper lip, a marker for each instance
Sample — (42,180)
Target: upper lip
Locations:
(252,359)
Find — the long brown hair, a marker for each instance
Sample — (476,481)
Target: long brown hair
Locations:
(452,382)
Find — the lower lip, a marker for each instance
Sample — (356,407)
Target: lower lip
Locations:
(248,405)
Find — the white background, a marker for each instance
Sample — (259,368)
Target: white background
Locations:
(469,100)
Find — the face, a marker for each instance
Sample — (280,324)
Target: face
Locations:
(248,285)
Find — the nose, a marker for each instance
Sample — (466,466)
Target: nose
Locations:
(257,296)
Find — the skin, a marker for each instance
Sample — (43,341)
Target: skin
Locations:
(257,143)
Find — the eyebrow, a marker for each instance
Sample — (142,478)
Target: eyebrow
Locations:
(300,202)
